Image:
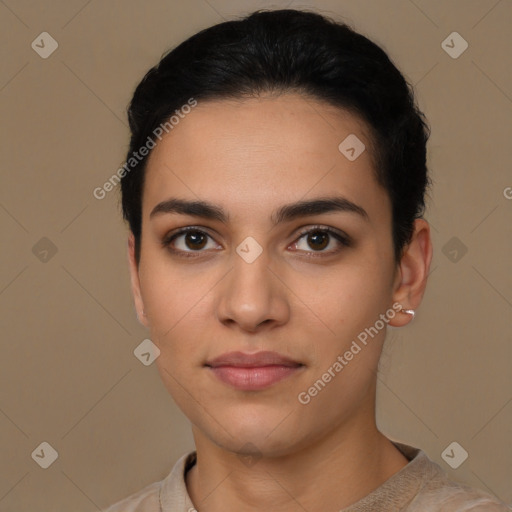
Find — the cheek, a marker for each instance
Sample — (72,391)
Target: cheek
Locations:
(173,295)
(324,406)
(342,306)
(179,309)
(344,298)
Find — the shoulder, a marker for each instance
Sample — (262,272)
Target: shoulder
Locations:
(425,487)
(169,493)
(145,500)
(442,493)
(456,498)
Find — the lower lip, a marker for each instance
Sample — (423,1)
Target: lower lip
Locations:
(253,379)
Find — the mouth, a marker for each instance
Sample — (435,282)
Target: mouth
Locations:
(253,372)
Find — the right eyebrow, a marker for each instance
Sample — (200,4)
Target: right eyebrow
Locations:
(194,208)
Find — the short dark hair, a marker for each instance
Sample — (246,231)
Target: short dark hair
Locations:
(298,51)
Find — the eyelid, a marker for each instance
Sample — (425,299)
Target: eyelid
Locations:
(319,227)
(172,235)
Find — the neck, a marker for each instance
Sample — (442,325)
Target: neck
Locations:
(332,474)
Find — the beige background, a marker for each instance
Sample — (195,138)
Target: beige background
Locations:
(68,373)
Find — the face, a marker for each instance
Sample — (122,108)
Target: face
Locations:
(251,275)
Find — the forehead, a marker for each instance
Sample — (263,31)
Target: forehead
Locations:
(258,152)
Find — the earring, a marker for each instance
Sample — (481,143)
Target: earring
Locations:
(408,311)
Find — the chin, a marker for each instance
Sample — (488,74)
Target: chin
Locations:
(256,444)
(267,436)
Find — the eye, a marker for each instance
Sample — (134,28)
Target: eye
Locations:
(187,240)
(319,238)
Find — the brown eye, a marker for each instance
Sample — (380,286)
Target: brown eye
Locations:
(188,242)
(318,240)
(195,240)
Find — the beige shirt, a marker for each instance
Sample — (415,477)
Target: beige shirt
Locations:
(420,486)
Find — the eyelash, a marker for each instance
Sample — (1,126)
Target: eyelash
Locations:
(344,240)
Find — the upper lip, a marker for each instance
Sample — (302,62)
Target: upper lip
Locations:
(244,360)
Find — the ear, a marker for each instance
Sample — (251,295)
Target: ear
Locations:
(135,282)
(412,272)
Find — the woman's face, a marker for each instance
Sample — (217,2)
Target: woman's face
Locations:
(254,281)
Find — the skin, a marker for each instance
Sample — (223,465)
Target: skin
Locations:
(250,157)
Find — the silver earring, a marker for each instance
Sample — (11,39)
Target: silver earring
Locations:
(408,311)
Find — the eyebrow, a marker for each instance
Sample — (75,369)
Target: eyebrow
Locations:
(285,213)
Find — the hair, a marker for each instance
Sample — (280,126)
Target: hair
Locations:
(281,51)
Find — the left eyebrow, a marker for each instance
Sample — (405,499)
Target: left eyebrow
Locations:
(317,207)
(285,213)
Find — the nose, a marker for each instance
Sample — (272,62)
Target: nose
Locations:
(252,297)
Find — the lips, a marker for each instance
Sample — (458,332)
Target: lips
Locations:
(252,372)
(243,360)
